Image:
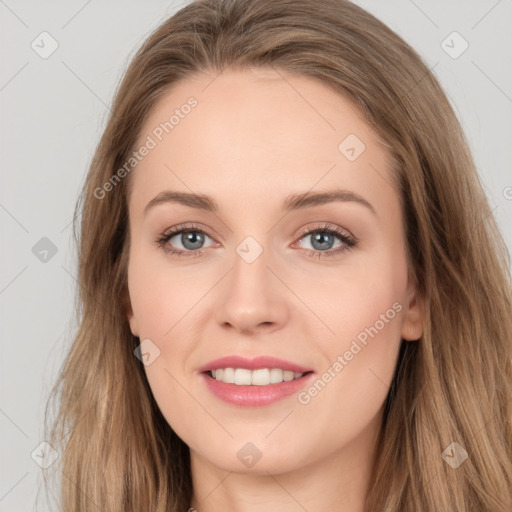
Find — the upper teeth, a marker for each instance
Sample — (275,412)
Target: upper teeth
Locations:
(260,377)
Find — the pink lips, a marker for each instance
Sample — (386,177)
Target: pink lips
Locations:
(254,396)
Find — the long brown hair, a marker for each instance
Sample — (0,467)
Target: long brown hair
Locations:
(453,385)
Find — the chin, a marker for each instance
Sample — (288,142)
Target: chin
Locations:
(257,457)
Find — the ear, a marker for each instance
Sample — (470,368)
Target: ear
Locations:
(412,325)
(127,308)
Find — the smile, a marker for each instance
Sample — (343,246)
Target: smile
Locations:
(258,377)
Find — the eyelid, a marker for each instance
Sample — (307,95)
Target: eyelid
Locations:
(321,226)
(187,226)
(303,231)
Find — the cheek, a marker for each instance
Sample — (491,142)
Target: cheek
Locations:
(155,297)
(363,309)
(349,300)
(160,302)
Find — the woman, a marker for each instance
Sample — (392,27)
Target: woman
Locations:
(293,291)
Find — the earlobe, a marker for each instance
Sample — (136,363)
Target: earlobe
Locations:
(132,320)
(133,324)
(127,307)
(412,332)
(412,326)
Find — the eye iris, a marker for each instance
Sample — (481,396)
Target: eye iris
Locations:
(194,237)
(322,239)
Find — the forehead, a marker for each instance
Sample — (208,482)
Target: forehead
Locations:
(261,132)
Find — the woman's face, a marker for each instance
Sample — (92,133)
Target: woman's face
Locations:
(295,250)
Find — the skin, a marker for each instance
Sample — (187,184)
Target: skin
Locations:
(255,137)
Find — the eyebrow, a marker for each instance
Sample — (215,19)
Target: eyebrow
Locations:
(292,202)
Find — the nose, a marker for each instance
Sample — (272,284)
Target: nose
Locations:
(252,299)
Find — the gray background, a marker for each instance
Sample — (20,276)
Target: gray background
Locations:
(52,113)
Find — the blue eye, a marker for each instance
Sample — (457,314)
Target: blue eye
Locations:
(191,237)
(323,239)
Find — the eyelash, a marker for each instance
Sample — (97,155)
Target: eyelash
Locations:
(349,241)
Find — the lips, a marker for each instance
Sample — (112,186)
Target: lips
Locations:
(266,390)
